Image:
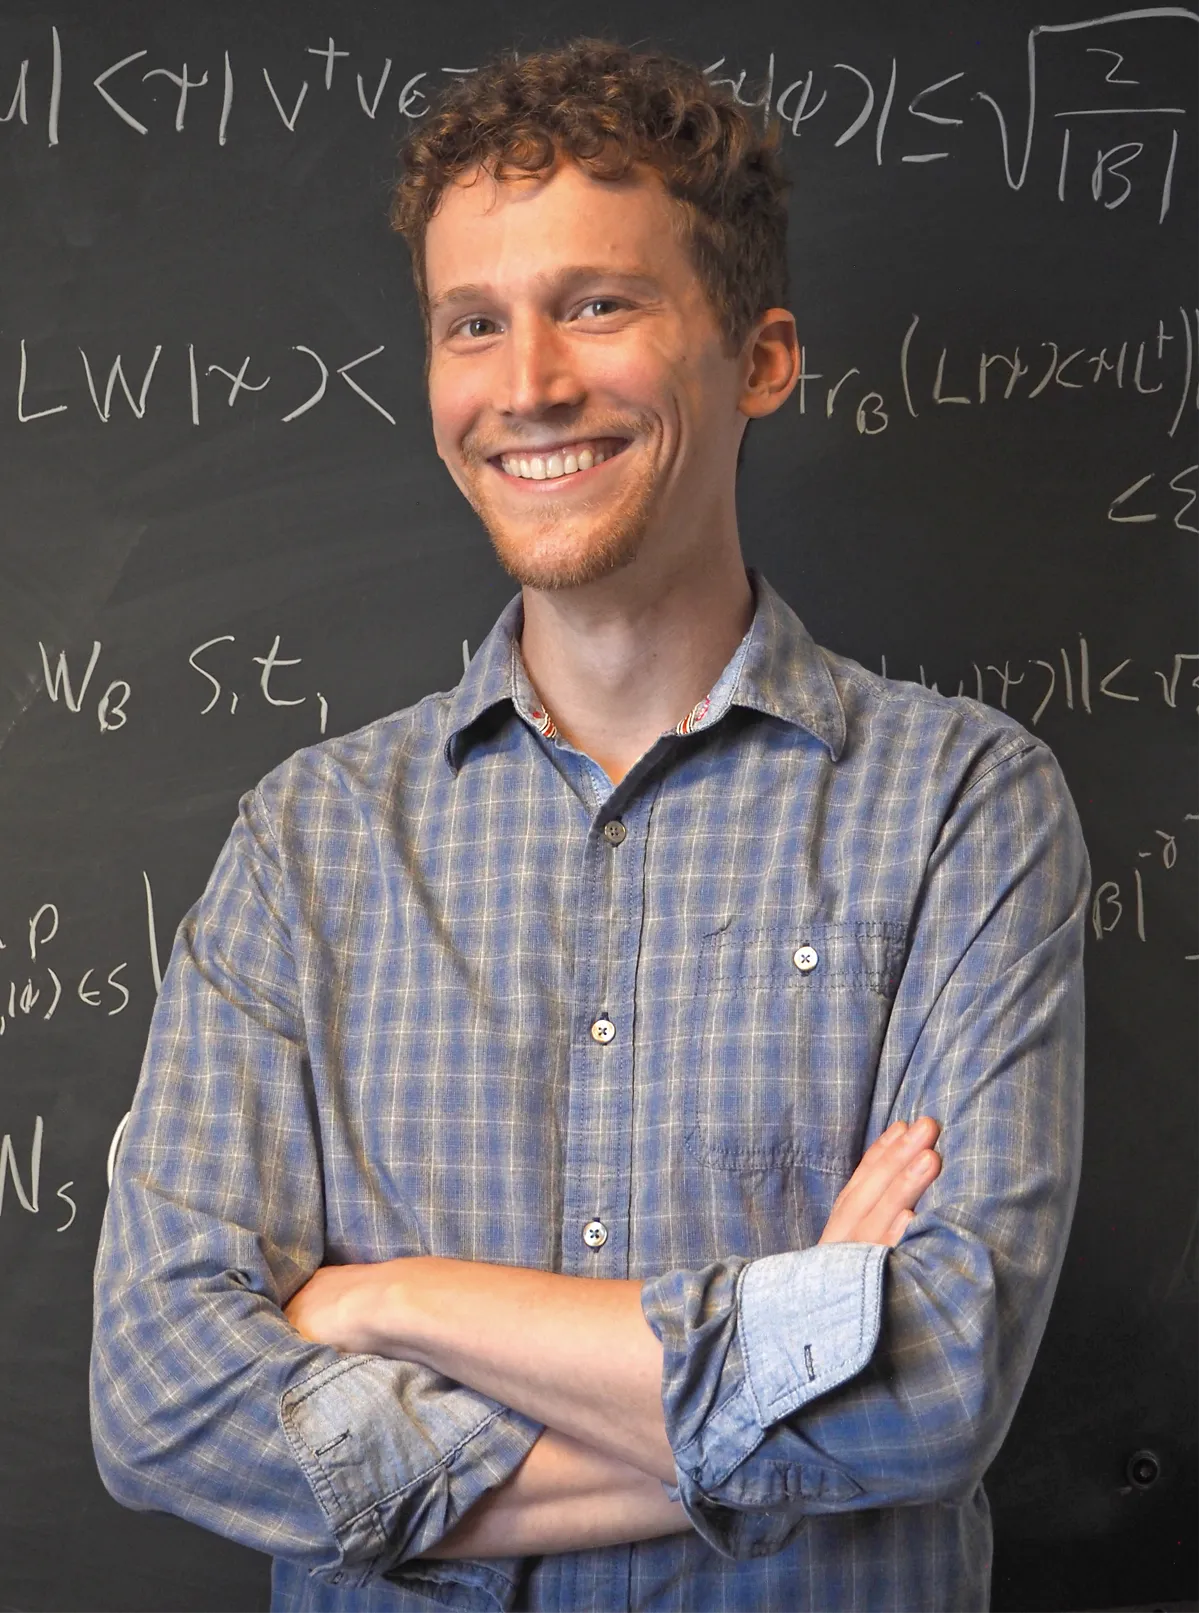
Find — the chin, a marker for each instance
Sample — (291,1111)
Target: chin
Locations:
(552,554)
(550,564)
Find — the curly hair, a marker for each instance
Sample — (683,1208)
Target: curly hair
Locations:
(609,108)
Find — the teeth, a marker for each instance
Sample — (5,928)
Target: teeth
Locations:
(552,467)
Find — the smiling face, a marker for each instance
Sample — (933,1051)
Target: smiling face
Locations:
(581,394)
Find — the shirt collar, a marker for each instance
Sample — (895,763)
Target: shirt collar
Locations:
(777,669)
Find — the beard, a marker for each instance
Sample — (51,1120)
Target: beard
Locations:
(567,542)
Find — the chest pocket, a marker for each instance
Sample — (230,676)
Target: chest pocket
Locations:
(788,1022)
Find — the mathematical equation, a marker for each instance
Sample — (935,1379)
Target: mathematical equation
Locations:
(880,108)
(36,989)
(1073,691)
(1063,680)
(23,997)
(111,708)
(26,1184)
(978,377)
(310,391)
(34,992)
(1109,898)
(923,376)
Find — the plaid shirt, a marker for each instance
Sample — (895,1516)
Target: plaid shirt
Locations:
(448,991)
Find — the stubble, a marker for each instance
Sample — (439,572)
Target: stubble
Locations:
(567,542)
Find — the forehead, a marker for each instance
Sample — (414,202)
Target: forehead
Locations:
(507,231)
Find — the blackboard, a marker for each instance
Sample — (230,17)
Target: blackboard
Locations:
(225,533)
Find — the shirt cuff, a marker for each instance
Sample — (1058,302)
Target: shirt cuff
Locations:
(460,1583)
(808,1320)
(396,1455)
(745,1345)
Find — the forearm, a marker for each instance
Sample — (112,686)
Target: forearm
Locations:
(574,1353)
(564,1497)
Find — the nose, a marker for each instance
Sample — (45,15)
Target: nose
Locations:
(540,371)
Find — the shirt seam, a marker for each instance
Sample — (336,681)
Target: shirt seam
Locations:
(1020,747)
(268,827)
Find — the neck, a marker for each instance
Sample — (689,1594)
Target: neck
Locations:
(622,661)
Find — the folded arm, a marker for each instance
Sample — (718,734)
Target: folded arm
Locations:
(576,1354)
(205,1402)
(565,1496)
(804,1382)
(844,1377)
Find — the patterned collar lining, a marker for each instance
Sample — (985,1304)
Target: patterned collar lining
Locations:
(776,669)
(541,719)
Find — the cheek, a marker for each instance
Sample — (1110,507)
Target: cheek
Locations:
(683,380)
(452,408)
(630,373)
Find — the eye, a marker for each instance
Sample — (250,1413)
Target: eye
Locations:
(477,326)
(597,307)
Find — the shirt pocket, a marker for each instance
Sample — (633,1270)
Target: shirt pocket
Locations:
(789,1020)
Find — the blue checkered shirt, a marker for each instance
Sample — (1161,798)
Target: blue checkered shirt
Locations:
(824,902)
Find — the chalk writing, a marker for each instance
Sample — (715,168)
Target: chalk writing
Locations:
(1151,369)
(1122,510)
(36,993)
(1067,679)
(238,382)
(981,376)
(268,663)
(1114,905)
(26,1186)
(891,110)
(110,708)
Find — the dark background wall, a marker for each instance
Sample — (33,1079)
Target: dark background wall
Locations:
(243,569)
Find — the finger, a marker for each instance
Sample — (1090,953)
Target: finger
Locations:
(891,1135)
(881,1159)
(900,1142)
(895,1133)
(904,1193)
(871,1220)
(886,1159)
(924,1129)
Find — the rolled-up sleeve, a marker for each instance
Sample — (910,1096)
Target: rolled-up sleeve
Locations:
(205,1401)
(850,1376)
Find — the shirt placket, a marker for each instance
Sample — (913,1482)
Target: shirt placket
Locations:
(598,1153)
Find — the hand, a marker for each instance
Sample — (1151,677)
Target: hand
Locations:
(877,1203)
(338,1304)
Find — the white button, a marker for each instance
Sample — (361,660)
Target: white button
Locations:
(603,1030)
(595,1234)
(614,832)
(805,958)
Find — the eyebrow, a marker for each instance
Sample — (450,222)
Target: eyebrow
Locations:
(561,280)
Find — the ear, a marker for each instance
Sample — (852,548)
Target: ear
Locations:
(770,362)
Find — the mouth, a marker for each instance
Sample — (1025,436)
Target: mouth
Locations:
(560,462)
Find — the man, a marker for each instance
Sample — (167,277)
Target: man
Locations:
(491,1227)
